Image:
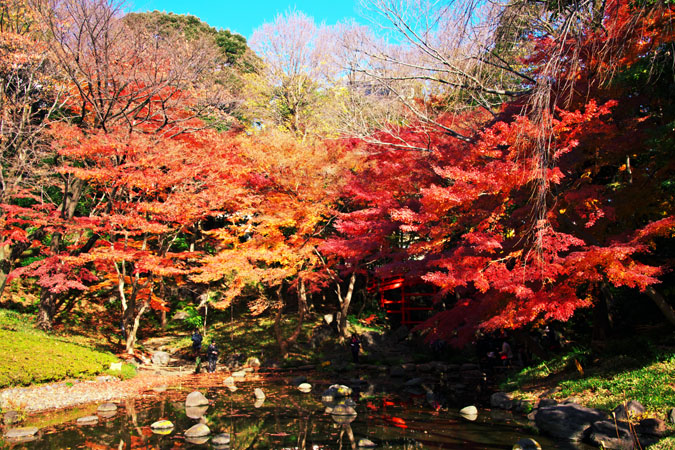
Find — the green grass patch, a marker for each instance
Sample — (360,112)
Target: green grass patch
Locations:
(32,356)
(652,385)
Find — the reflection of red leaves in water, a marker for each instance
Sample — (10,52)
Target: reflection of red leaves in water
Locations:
(395,421)
(370,406)
(279,434)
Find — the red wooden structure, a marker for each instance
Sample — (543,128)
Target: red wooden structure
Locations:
(407,302)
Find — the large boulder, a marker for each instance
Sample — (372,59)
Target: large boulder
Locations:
(567,421)
(160,358)
(196,398)
(611,435)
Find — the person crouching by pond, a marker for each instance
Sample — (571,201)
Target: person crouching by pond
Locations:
(355,346)
(212,356)
(196,344)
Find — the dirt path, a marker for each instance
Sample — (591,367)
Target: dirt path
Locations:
(65,394)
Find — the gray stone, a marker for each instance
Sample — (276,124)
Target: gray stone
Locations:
(221,439)
(196,412)
(366,443)
(11,417)
(469,410)
(87,420)
(610,434)
(629,410)
(239,374)
(568,421)
(160,358)
(197,431)
(305,388)
(229,381)
(197,440)
(196,398)
(501,400)
(259,394)
(671,415)
(400,334)
(21,433)
(526,444)
(106,407)
(258,403)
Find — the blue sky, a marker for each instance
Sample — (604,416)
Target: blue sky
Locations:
(244,16)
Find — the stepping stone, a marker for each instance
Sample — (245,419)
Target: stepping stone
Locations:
(221,439)
(305,388)
(196,431)
(196,398)
(366,443)
(87,420)
(21,433)
(106,407)
(162,425)
(259,394)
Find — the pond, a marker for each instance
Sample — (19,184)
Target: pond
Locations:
(286,419)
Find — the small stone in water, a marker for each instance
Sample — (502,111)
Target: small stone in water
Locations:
(162,425)
(469,411)
(366,443)
(19,433)
(259,394)
(221,439)
(106,407)
(527,444)
(305,388)
(196,398)
(198,430)
(87,420)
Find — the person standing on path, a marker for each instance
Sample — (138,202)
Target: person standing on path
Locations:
(196,344)
(355,346)
(212,356)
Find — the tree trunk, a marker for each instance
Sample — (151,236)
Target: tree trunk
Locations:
(662,304)
(344,306)
(285,343)
(131,334)
(46,310)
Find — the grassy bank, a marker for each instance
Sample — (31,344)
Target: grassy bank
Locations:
(601,382)
(32,356)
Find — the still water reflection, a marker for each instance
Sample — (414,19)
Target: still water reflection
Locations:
(286,419)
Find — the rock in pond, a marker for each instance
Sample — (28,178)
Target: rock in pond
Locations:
(162,427)
(366,443)
(610,435)
(106,407)
(196,398)
(87,420)
(527,444)
(196,412)
(259,394)
(196,431)
(469,411)
(19,434)
(305,388)
(258,403)
(239,374)
(199,440)
(221,439)
(567,421)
